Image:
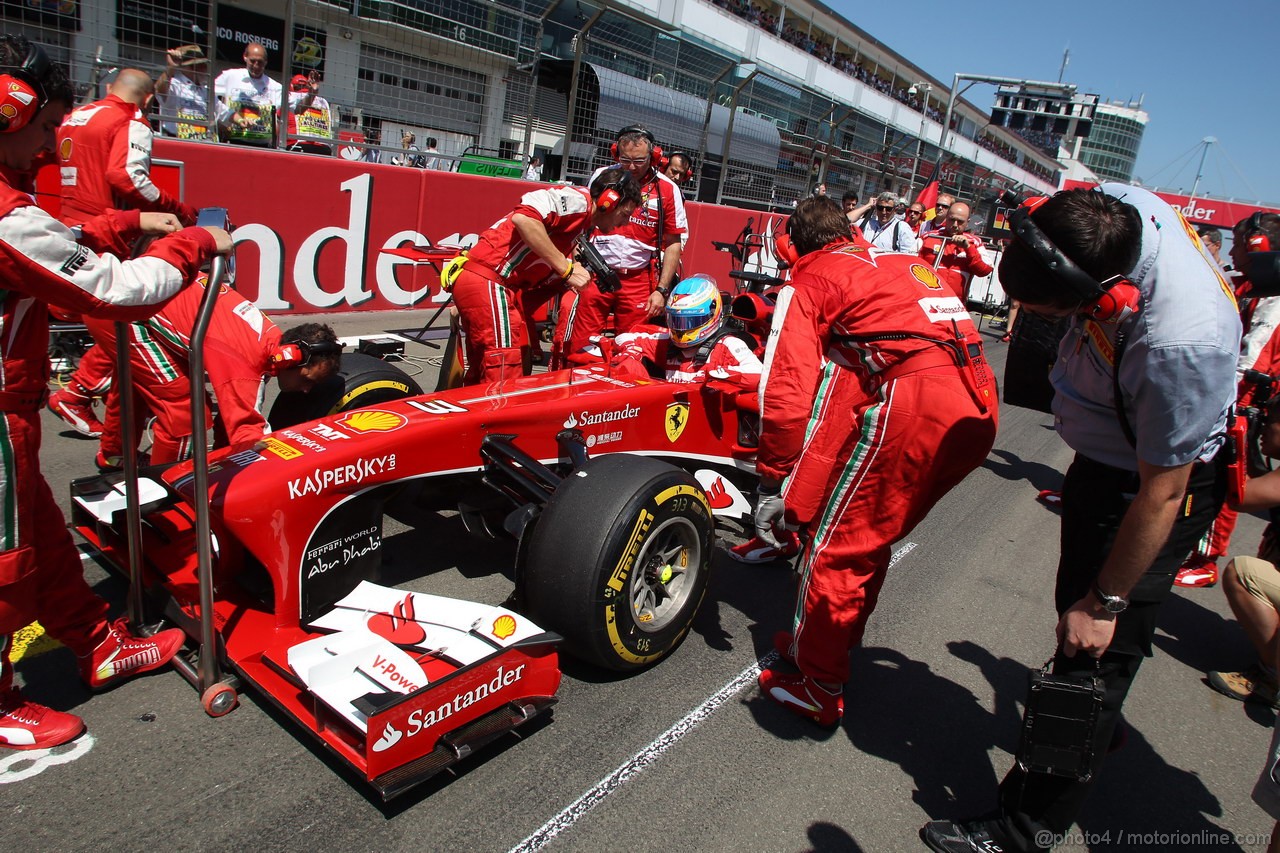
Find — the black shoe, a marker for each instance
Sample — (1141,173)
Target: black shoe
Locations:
(947,836)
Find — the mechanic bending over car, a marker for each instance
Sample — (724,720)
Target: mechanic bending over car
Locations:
(42,260)
(528,256)
(242,348)
(876,401)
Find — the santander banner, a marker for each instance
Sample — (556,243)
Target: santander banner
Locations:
(1207,211)
(313,233)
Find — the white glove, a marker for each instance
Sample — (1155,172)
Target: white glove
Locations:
(769,512)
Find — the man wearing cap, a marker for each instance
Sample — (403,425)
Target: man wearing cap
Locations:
(309,115)
(182,91)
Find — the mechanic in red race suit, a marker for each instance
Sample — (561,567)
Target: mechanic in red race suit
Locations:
(242,347)
(633,249)
(40,259)
(105,153)
(876,401)
(528,255)
(695,346)
(961,255)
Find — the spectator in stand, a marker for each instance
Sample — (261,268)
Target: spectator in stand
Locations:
(41,569)
(248,99)
(309,115)
(412,157)
(431,155)
(105,151)
(955,253)
(182,91)
(527,258)
(644,251)
(885,231)
(940,208)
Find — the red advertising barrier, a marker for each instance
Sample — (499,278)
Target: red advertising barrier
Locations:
(312,232)
(1205,211)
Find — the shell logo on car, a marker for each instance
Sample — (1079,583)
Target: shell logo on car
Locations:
(504,626)
(373,420)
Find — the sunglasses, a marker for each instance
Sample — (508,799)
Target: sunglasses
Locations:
(942,206)
(884,207)
(915,213)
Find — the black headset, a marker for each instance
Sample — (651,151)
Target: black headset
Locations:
(655,153)
(22,95)
(300,353)
(1110,301)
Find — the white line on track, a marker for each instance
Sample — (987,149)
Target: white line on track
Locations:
(639,762)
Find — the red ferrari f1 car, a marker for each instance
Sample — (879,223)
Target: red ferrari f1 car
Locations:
(608,487)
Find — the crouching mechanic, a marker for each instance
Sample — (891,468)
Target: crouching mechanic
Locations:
(876,401)
(40,569)
(242,347)
(528,255)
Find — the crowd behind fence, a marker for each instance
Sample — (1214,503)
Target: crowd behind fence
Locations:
(499,77)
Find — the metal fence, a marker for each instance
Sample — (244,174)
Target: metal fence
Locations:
(499,82)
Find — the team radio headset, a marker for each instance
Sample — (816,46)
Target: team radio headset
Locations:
(22,96)
(300,354)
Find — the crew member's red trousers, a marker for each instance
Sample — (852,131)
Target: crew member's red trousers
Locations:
(873,467)
(160,385)
(41,577)
(493,325)
(583,315)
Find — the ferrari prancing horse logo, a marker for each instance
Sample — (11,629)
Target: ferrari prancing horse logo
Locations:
(677,417)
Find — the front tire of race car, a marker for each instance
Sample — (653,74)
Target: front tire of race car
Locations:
(619,560)
(363,380)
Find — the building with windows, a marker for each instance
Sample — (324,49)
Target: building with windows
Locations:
(772,99)
(1111,149)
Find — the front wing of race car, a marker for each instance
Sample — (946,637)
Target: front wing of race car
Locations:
(399,685)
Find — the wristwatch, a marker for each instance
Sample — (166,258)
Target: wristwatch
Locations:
(1110,603)
(663,290)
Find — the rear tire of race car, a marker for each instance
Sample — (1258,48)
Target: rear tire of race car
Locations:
(362,381)
(619,561)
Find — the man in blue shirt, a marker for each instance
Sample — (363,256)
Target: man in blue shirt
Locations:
(1143,385)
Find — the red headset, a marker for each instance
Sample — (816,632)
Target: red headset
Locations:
(1110,301)
(1257,239)
(611,194)
(785,250)
(22,95)
(300,353)
(655,153)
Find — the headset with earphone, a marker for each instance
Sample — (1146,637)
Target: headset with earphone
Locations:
(1255,238)
(655,153)
(22,95)
(1110,301)
(300,353)
(610,194)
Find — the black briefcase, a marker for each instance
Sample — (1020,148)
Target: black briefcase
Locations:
(1059,724)
(1033,349)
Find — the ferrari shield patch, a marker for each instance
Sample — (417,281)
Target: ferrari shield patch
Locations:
(677,417)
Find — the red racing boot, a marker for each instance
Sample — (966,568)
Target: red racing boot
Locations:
(801,695)
(121,655)
(26,725)
(755,550)
(76,410)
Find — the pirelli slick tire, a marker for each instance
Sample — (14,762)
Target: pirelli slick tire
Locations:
(363,381)
(619,561)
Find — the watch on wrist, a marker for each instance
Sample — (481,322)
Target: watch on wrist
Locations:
(663,290)
(1110,603)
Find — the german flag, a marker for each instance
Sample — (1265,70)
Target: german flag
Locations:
(929,199)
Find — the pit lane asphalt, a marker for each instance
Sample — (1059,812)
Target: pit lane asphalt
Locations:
(931,716)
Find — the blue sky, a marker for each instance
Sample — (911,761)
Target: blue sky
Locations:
(1204,69)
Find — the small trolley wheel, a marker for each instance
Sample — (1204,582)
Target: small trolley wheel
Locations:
(219,700)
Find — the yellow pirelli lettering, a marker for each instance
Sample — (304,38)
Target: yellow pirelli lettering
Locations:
(619,577)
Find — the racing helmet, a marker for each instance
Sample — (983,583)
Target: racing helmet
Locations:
(695,310)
